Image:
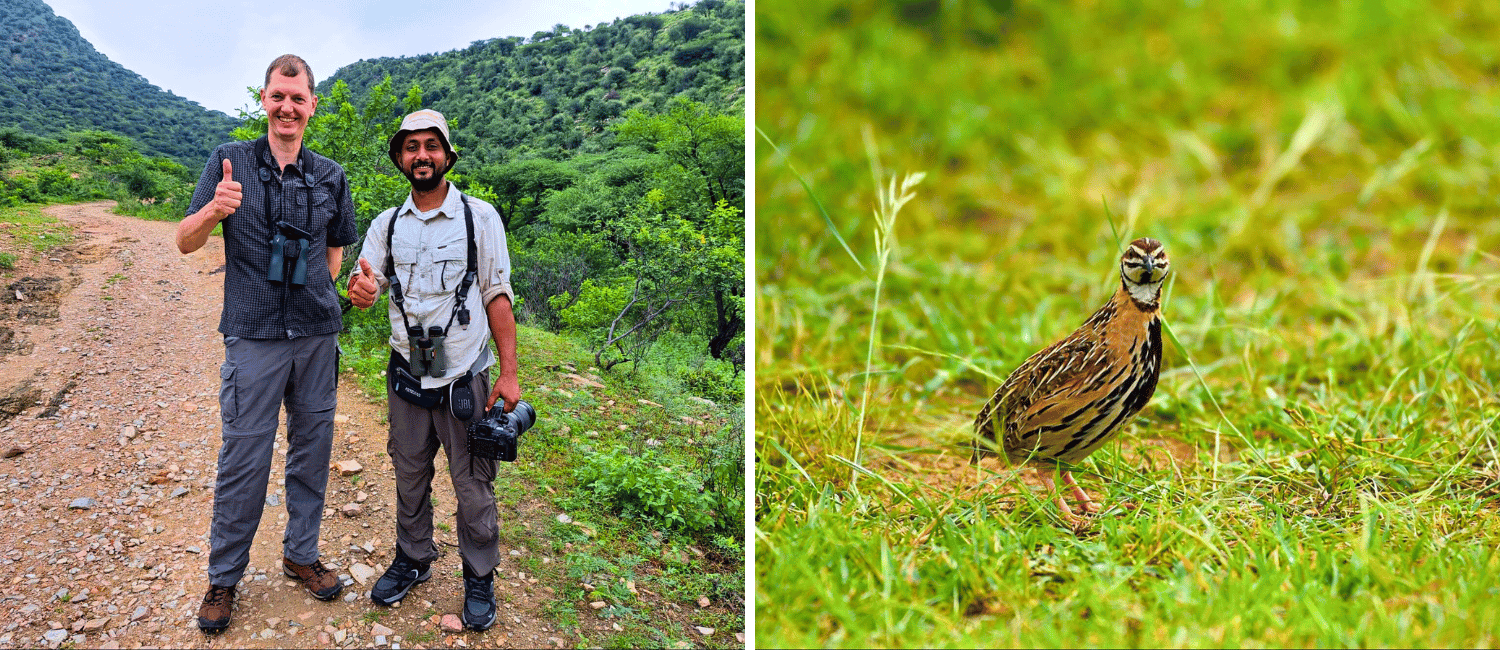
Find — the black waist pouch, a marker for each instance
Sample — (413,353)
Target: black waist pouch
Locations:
(409,388)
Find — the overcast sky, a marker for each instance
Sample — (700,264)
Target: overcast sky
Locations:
(210,50)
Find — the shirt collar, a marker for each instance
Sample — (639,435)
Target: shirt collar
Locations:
(269,159)
(452,205)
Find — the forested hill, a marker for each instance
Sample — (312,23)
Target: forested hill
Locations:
(552,94)
(53,81)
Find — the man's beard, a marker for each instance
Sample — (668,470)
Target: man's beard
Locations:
(428,184)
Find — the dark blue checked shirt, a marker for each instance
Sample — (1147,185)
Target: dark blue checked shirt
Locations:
(253,307)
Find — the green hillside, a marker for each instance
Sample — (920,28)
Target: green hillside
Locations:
(52,81)
(554,93)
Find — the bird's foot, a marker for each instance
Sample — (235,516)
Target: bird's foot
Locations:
(1073,520)
(1087,503)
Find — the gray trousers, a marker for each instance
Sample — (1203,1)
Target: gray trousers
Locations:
(415,436)
(258,376)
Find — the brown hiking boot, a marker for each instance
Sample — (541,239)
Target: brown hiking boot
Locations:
(213,614)
(323,584)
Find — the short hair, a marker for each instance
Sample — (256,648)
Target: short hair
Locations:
(290,65)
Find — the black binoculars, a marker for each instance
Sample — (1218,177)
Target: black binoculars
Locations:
(426,358)
(289,242)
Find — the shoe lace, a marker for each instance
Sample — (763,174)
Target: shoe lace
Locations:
(477,587)
(318,569)
(403,565)
(217,596)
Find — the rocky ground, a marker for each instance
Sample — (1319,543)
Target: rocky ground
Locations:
(109,427)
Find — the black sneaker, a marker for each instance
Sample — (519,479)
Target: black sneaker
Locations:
(399,579)
(479,600)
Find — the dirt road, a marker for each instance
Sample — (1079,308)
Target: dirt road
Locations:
(109,424)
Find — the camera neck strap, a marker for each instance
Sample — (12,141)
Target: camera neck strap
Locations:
(461,293)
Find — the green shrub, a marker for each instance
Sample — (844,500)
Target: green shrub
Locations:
(647,487)
(57,182)
(18,190)
(551,270)
(723,469)
(714,380)
(365,344)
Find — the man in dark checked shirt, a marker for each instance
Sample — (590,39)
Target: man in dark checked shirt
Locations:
(287,214)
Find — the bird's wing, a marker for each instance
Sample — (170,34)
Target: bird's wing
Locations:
(1041,390)
(1035,378)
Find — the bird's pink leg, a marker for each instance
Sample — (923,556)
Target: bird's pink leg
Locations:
(1083,497)
(1062,504)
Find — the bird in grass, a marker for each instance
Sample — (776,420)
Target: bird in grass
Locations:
(1066,401)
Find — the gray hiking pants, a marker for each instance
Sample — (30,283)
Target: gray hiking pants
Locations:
(415,436)
(257,377)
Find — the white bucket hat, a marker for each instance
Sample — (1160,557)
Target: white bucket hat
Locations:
(421,121)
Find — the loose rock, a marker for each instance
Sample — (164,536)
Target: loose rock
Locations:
(361,572)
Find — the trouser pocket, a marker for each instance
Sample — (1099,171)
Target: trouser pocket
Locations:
(229,407)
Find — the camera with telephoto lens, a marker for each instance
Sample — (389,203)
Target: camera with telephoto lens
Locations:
(497,435)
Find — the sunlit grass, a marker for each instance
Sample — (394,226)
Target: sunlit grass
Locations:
(1319,463)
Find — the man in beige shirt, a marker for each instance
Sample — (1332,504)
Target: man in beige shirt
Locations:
(443,257)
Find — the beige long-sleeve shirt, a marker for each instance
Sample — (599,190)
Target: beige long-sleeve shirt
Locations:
(430,254)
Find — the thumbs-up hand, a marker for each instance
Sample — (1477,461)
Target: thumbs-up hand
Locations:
(362,286)
(228,194)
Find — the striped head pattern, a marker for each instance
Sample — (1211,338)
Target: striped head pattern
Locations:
(1143,267)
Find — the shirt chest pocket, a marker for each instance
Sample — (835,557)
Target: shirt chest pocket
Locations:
(433,271)
(321,212)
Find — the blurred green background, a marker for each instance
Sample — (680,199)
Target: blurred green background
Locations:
(1323,175)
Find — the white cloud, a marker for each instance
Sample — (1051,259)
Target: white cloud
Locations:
(209,52)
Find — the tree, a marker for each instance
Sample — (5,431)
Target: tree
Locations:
(708,145)
(709,149)
(612,185)
(671,264)
(521,185)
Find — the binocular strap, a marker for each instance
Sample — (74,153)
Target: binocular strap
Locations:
(461,292)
